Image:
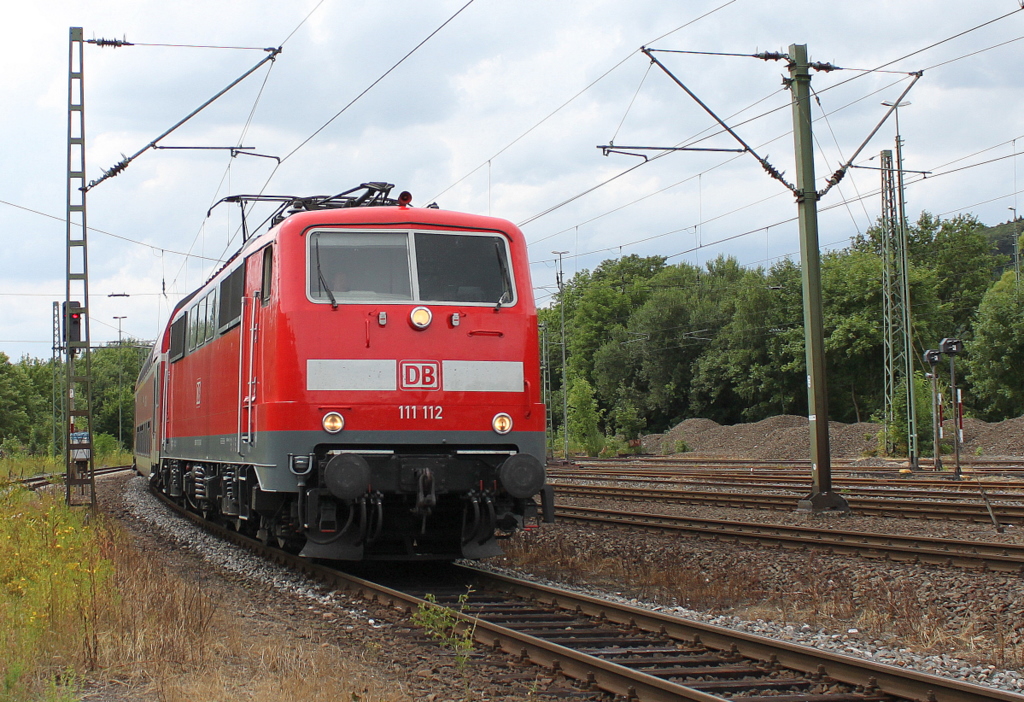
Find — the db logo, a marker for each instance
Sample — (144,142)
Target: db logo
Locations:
(419,375)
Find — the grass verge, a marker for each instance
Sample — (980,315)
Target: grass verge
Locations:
(80,605)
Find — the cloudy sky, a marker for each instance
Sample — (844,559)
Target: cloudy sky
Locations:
(499,111)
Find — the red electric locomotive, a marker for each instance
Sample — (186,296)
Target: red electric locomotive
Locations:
(361,381)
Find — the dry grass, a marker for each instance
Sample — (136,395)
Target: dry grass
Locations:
(818,594)
(81,603)
(168,635)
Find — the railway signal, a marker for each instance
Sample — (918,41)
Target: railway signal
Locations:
(953,348)
(72,322)
(931,357)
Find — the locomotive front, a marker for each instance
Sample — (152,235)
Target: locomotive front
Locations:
(398,385)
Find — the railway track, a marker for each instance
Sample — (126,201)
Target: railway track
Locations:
(1012,465)
(978,510)
(968,554)
(932,487)
(635,653)
(39,481)
(848,464)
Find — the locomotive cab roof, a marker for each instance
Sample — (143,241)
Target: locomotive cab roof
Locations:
(373,194)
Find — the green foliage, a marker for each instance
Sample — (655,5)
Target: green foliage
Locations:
(680,446)
(443,624)
(751,366)
(17,465)
(614,446)
(994,367)
(627,420)
(659,343)
(27,389)
(898,436)
(51,569)
(584,417)
(25,402)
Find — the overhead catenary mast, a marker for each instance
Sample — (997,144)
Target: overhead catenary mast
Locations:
(75,338)
(79,456)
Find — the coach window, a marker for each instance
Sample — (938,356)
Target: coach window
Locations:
(268,273)
(201,322)
(178,334)
(211,314)
(231,298)
(193,327)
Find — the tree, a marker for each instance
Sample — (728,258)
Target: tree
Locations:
(965,265)
(659,343)
(606,298)
(993,355)
(15,402)
(754,367)
(115,368)
(584,416)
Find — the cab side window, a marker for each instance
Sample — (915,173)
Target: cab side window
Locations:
(268,274)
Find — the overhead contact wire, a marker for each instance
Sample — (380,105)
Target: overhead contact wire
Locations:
(374,83)
(573,98)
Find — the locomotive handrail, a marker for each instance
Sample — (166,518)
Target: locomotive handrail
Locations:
(241,371)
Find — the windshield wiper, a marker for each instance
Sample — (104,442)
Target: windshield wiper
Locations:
(506,293)
(320,277)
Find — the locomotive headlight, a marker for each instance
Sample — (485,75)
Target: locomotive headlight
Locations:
(333,422)
(420,317)
(502,423)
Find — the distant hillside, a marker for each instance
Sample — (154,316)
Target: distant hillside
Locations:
(1001,236)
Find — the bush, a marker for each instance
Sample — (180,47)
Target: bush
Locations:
(898,438)
(614,446)
(679,446)
(584,417)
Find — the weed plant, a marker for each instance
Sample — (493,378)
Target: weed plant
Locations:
(443,624)
(18,466)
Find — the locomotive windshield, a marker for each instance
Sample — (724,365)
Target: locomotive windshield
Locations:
(347,266)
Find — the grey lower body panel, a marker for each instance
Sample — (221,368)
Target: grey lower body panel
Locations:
(269,451)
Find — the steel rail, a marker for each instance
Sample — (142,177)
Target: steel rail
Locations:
(796,481)
(968,554)
(1010,491)
(872,506)
(843,464)
(903,683)
(629,682)
(38,481)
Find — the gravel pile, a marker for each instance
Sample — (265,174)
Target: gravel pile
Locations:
(1004,438)
(786,438)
